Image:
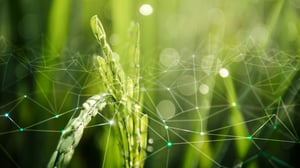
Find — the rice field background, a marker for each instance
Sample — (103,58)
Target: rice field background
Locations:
(220,80)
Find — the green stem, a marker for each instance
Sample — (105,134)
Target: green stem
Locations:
(237,117)
(272,23)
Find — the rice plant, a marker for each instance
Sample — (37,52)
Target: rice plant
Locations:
(123,94)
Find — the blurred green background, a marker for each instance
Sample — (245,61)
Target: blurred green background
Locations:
(249,118)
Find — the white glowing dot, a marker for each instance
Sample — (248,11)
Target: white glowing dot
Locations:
(146,9)
(111,122)
(204,89)
(202,133)
(166,127)
(224,73)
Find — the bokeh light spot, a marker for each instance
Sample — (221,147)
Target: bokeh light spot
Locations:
(166,109)
(233,104)
(203,89)
(146,9)
(149,148)
(224,73)
(169,57)
(150,141)
(114,39)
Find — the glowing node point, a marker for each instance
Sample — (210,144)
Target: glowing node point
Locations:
(21,129)
(77,108)
(168,89)
(63,131)
(169,144)
(233,104)
(224,73)
(275,126)
(25,96)
(166,127)
(56,116)
(6,115)
(146,9)
(202,133)
(249,137)
(111,122)
(197,108)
